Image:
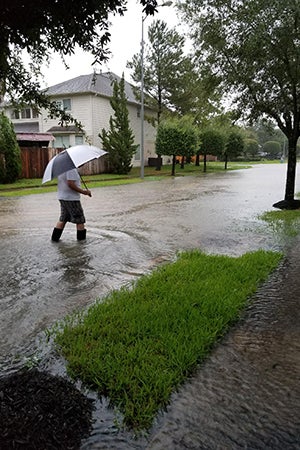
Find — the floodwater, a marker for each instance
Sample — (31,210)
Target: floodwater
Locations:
(132,229)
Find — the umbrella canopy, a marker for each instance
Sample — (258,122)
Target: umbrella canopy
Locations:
(70,159)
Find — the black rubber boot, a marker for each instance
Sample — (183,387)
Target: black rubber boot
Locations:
(56,234)
(81,235)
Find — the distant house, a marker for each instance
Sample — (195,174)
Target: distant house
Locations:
(26,123)
(87,99)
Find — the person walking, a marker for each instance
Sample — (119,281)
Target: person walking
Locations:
(68,194)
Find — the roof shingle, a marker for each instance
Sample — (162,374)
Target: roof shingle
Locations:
(96,83)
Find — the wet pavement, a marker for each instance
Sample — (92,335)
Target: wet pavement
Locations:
(247,394)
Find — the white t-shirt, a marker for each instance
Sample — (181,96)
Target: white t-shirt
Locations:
(64,192)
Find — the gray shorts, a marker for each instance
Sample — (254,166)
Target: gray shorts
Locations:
(71,211)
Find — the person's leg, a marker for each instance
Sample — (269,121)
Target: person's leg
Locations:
(77,217)
(60,225)
(63,219)
(57,231)
(81,231)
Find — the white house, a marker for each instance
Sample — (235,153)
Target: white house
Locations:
(87,99)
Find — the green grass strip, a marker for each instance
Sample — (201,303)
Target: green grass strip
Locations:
(52,188)
(138,345)
(283,222)
(34,186)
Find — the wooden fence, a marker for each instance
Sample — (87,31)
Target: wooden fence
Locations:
(35,160)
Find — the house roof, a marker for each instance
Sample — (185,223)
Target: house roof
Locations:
(37,137)
(64,129)
(95,83)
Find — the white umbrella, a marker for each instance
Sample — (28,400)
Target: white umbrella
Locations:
(71,158)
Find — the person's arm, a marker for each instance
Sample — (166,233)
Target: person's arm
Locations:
(72,185)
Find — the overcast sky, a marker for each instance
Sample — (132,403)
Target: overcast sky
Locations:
(126,34)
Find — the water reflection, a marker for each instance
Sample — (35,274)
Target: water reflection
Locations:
(74,271)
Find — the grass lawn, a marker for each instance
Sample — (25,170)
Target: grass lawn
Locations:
(34,186)
(136,346)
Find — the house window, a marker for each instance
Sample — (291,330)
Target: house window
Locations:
(35,113)
(25,113)
(78,140)
(62,141)
(137,155)
(64,104)
(15,114)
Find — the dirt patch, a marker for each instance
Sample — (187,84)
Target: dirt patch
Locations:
(41,411)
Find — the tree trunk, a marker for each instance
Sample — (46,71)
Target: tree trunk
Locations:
(182,163)
(291,170)
(289,202)
(226,161)
(204,162)
(197,163)
(173,165)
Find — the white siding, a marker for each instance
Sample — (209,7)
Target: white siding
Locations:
(101,115)
(94,112)
(80,110)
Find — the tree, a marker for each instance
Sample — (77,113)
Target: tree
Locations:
(253,47)
(251,148)
(119,140)
(10,154)
(164,62)
(40,27)
(273,149)
(176,137)
(267,131)
(234,146)
(212,143)
(171,80)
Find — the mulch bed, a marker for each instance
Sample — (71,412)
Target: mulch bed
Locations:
(39,411)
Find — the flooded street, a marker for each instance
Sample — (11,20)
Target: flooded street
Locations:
(130,230)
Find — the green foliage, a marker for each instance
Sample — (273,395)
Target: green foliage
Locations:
(41,27)
(167,138)
(251,148)
(176,137)
(265,130)
(26,186)
(234,145)
(262,131)
(10,154)
(171,79)
(163,59)
(138,345)
(119,140)
(212,142)
(253,46)
(273,148)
